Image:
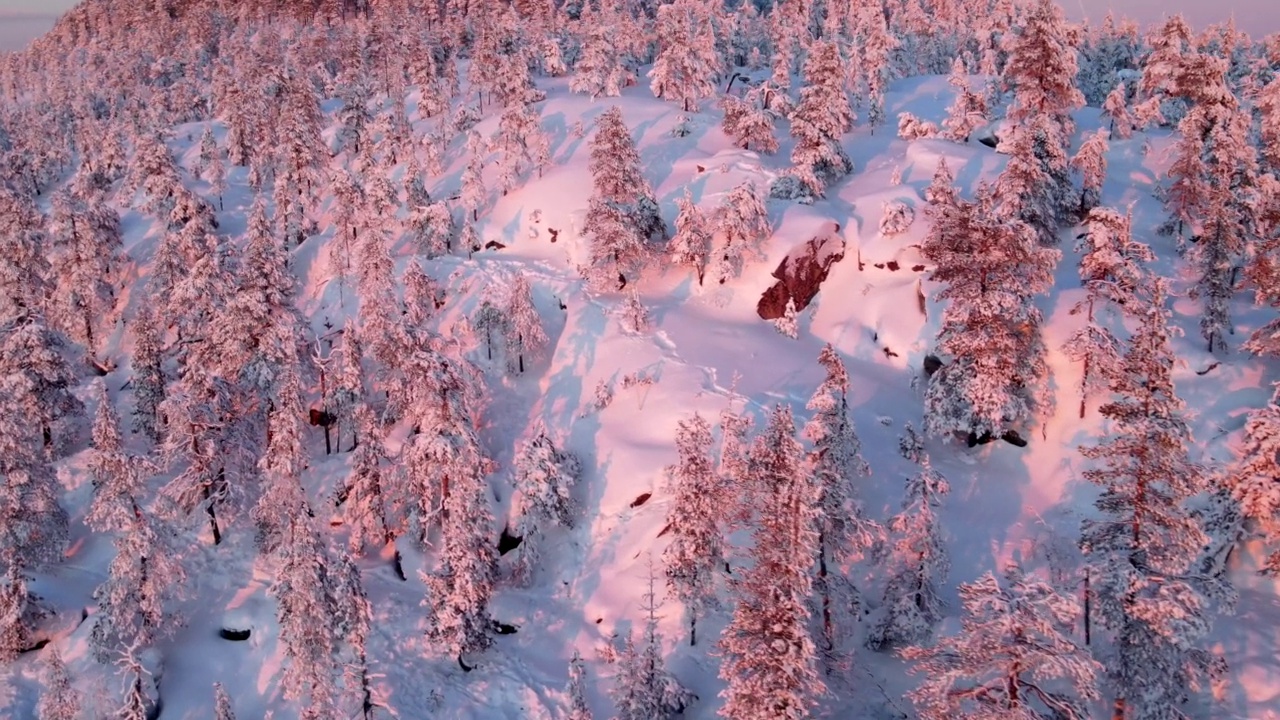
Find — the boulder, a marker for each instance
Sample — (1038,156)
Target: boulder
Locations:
(800,275)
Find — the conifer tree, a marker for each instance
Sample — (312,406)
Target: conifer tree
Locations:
(1041,68)
(142,579)
(364,502)
(691,245)
(525,337)
(644,690)
(750,119)
(1091,162)
(769,656)
(686,67)
(304,594)
(89,260)
(545,477)
(578,707)
(148,371)
(59,701)
(844,531)
(1143,547)
(819,120)
(1116,108)
(1112,268)
(460,589)
(992,269)
(968,111)
(696,551)
(743,228)
(916,557)
(622,215)
(1014,641)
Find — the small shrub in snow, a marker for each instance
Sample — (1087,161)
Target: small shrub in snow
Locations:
(604,395)
(465,119)
(911,127)
(578,131)
(633,314)
(637,379)
(788,187)
(682,128)
(896,179)
(787,324)
(897,217)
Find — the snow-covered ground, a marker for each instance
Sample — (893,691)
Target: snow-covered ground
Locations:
(706,351)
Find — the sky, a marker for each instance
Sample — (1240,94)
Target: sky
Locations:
(22,20)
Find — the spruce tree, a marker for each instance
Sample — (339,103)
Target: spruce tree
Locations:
(769,664)
(696,550)
(1142,547)
(1014,641)
(916,557)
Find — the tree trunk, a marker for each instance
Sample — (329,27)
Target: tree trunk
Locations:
(693,630)
(213,517)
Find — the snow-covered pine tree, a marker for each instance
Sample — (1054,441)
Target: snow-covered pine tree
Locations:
(577,689)
(820,118)
(1041,67)
(144,577)
(525,338)
(283,459)
(303,590)
(992,268)
(1091,162)
(844,530)
(968,111)
(118,478)
(623,212)
(769,664)
(364,501)
(1014,643)
(37,370)
(1035,186)
(545,477)
(632,313)
(1116,109)
(643,688)
(1142,548)
(691,245)
(88,260)
(1228,226)
(915,558)
(352,615)
(148,380)
(458,592)
(695,553)
(687,66)
(60,700)
(750,119)
(601,68)
(1252,478)
(743,227)
(1112,269)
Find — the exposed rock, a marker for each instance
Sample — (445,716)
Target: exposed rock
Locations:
(800,275)
(932,364)
(500,628)
(494,245)
(641,499)
(508,542)
(1010,436)
(234,635)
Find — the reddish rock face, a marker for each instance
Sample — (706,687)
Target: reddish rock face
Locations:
(800,275)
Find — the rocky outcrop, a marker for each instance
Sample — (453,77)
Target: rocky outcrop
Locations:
(800,275)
